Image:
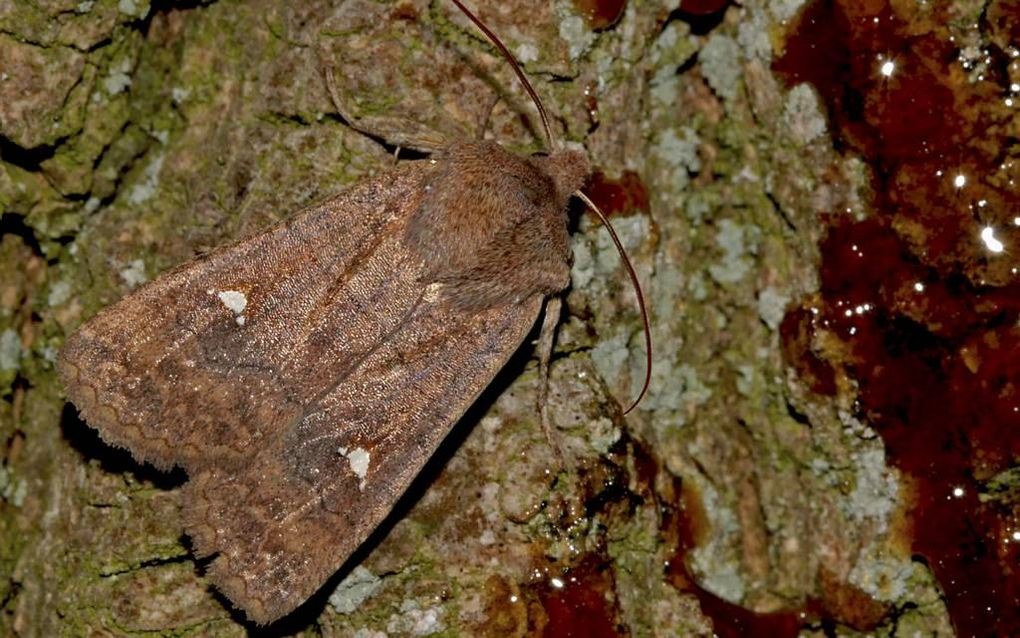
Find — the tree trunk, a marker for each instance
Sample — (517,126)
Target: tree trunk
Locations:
(134,137)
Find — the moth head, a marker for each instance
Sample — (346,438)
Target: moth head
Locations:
(569,170)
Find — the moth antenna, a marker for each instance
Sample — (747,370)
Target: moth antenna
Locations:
(637,291)
(513,65)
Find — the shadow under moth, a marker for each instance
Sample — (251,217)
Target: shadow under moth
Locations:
(304,375)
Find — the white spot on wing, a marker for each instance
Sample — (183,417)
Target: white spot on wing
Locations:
(359,459)
(234,300)
(432,292)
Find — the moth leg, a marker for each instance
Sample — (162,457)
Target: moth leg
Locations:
(550,320)
(394,131)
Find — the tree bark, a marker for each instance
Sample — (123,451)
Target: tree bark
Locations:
(135,136)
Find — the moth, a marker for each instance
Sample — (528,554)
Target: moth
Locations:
(303,376)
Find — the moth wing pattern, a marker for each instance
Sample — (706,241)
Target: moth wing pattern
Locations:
(206,362)
(348,460)
(275,371)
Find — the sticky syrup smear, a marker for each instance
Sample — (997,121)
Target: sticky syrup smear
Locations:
(924,295)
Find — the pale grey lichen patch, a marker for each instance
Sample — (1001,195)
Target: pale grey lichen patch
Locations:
(526,53)
(119,77)
(134,274)
(783,10)
(358,587)
(574,31)
(679,151)
(415,621)
(697,286)
(144,190)
(753,34)
(802,115)
(134,8)
(603,434)
(632,231)
(672,48)
(666,391)
(12,489)
(772,306)
(665,91)
(696,393)
(583,269)
(179,94)
(10,350)
(84,7)
(60,292)
(718,570)
(49,354)
(724,580)
(745,379)
(365,632)
(854,426)
(720,64)
(667,288)
(880,575)
(610,354)
(697,208)
(734,265)
(875,489)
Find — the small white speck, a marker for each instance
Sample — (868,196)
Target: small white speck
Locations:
(239,320)
(887,68)
(432,292)
(359,459)
(918,286)
(993,244)
(958,492)
(1016,536)
(234,300)
(960,180)
(556,582)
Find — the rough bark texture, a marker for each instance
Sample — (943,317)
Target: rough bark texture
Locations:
(133,137)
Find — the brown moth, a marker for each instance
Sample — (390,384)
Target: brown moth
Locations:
(303,376)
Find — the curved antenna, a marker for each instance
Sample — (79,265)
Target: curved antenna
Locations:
(637,291)
(513,65)
(605,221)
